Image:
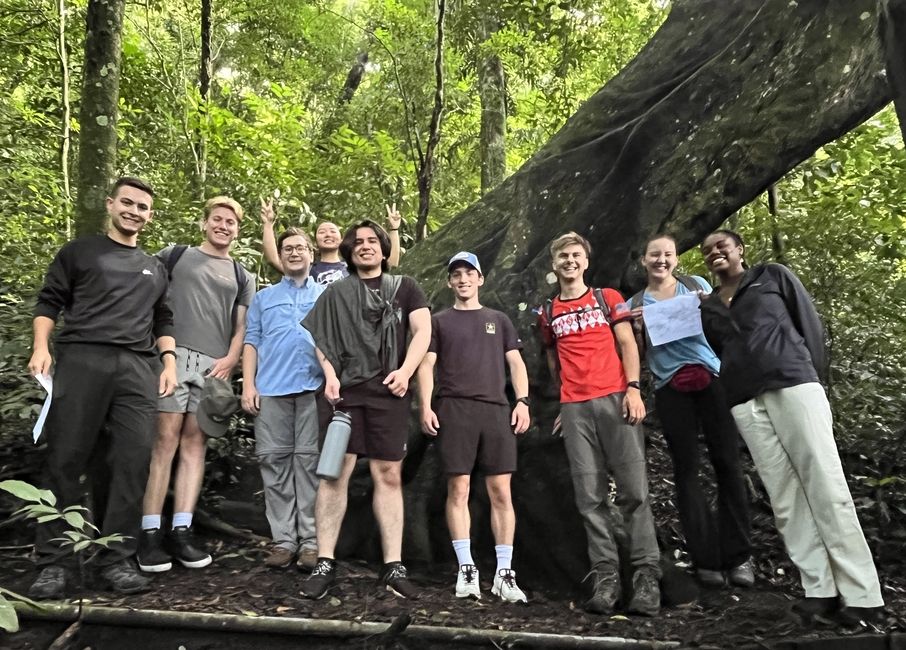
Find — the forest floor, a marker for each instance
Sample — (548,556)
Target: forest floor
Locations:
(238,583)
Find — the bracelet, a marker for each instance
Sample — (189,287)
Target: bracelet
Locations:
(634,384)
(166,352)
(524,400)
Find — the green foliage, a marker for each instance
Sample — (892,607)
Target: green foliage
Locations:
(41,506)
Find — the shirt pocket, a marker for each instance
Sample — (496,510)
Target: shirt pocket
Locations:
(277,317)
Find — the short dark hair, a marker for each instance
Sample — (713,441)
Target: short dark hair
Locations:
(735,236)
(292,232)
(348,243)
(132,181)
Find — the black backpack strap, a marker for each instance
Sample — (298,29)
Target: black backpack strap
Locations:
(599,298)
(690,283)
(175,253)
(638,300)
(242,281)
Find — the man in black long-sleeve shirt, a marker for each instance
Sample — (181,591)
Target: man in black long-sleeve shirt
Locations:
(117,320)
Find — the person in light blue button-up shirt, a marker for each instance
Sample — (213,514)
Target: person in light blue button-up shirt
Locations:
(280,374)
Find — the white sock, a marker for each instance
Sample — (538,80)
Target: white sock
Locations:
(463,549)
(504,556)
(182,519)
(150,522)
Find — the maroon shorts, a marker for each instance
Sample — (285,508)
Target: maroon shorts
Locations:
(380,421)
(470,431)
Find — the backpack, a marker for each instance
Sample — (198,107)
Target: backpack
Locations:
(241,278)
(549,316)
(638,300)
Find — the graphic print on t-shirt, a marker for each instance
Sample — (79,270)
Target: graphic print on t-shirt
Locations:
(581,319)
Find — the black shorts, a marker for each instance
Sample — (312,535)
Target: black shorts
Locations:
(380,421)
(472,430)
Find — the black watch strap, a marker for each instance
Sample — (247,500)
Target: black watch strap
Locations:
(634,384)
(524,400)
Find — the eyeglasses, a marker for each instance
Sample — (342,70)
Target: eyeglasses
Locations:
(301,248)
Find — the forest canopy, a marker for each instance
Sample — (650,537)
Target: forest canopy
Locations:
(329,107)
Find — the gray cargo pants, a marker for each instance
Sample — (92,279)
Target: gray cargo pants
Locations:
(286,444)
(599,439)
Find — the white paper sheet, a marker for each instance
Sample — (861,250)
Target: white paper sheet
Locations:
(673,319)
(47,384)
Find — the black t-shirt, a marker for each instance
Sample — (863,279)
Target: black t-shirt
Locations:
(471,345)
(409,297)
(109,293)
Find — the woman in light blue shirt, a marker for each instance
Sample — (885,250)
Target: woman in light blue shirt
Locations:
(689,399)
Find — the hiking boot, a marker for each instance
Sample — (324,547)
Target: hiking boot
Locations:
(467,582)
(123,578)
(182,545)
(49,585)
(646,593)
(279,557)
(322,578)
(605,591)
(812,609)
(151,556)
(308,558)
(743,575)
(858,616)
(396,579)
(505,586)
(709,577)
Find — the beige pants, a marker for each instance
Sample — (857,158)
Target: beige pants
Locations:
(789,433)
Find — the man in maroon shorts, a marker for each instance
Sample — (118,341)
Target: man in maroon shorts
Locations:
(470,345)
(360,325)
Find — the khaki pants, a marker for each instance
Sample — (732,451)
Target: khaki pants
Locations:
(789,433)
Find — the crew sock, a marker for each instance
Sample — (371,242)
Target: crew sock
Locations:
(463,549)
(182,519)
(150,522)
(504,556)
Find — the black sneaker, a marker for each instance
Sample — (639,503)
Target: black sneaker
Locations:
(605,590)
(646,593)
(123,578)
(151,556)
(322,578)
(49,585)
(859,616)
(811,609)
(181,544)
(396,579)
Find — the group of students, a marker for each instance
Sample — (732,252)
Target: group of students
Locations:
(343,333)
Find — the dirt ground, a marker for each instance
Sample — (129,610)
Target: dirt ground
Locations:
(238,583)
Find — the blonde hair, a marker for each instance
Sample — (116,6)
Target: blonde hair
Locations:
(570,239)
(223,202)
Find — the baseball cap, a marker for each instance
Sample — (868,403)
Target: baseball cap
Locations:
(467,257)
(216,408)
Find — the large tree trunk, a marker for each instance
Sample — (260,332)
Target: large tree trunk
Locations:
(98,112)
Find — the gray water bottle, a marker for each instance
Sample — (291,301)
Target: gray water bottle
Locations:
(330,465)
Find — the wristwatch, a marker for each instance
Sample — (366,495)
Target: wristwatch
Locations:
(524,400)
(634,384)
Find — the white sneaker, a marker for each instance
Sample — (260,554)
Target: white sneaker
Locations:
(505,586)
(467,582)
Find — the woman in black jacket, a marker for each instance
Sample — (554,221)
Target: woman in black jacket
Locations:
(763,326)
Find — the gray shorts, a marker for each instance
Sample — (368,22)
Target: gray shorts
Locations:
(191,368)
